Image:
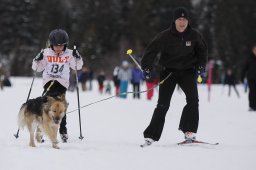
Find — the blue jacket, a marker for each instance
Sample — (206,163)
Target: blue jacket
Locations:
(137,75)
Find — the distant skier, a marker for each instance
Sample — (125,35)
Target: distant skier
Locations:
(230,80)
(249,71)
(183,52)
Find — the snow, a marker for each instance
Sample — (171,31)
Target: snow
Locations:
(113,129)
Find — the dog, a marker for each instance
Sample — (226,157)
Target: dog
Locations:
(44,114)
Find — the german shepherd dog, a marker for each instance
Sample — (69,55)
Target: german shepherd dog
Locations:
(44,113)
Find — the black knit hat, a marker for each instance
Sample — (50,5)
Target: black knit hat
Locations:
(180,12)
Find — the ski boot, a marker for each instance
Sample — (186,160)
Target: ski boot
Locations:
(148,142)
(64,138)
(190,137)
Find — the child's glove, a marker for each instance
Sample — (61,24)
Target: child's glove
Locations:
(39,56)
(76,54)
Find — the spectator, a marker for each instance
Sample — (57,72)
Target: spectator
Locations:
(101,78)
(137,77)
(83,77)
(151,82)
(125,76)
(230,80)
(116,80)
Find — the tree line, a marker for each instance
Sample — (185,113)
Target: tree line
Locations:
(103,30)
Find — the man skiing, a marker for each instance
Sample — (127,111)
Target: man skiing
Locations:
(183,53)
(55,63)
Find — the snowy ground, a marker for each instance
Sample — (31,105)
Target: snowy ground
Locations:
(113,130)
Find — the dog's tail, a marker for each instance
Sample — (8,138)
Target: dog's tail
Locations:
(21,117)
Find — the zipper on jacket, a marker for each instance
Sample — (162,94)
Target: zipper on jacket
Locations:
(182,39)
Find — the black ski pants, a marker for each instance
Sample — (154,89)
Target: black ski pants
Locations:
(252,93)
(136,89)
(190,114)
(229,90)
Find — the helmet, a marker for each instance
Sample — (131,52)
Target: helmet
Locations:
(58,37)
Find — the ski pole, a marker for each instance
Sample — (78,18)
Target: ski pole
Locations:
(17,134)
(98,101)
(129,52)
(78,101)
(144,91)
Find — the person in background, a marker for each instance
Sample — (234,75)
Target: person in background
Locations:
(245,85)
(101,78)
(150,83)
(90,77)
(137,77)
(6,81)
(182,53)
(249,72)
(55,63)
(124,75)
(2,74)
(83,77)
(108,87)
(116,80)
(230,80)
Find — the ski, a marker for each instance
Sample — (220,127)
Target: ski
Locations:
(196,142)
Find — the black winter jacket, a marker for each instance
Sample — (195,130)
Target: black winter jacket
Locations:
(177,51)
(249,68)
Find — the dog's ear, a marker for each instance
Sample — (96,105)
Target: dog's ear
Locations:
(50,99)
(61,97)
(47,104)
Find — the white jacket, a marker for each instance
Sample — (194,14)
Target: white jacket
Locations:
(125,74)
(57,66)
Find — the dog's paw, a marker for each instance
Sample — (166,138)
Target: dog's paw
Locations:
(56,146)
(40,139)
(32,144)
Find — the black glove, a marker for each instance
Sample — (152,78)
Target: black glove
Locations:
(76,54)
(201,71)
(147,74)
(39,56)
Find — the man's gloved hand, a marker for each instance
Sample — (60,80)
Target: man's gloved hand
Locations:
(76,54)
(200,74)
(201,71)
(39,56)
(147,74)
